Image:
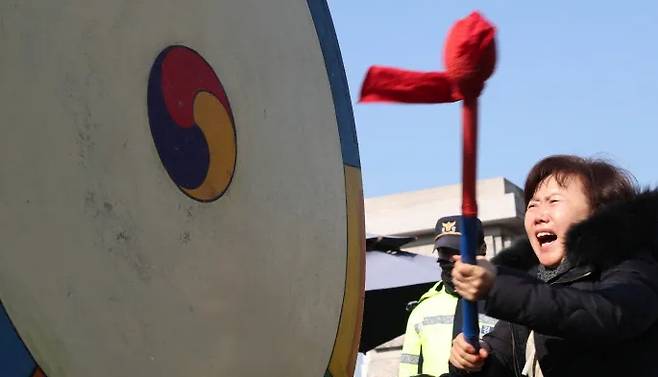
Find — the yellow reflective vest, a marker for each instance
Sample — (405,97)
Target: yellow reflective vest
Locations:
(428,338)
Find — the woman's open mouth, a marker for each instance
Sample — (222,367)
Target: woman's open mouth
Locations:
(546,238)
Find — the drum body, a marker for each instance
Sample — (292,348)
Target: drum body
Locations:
(180,191)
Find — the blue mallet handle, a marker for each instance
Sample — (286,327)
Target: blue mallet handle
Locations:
(469,308)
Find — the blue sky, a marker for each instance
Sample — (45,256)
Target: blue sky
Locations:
(572,77)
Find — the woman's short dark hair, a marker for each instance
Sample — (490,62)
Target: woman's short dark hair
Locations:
(603,182)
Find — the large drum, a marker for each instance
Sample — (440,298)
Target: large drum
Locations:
(180,191)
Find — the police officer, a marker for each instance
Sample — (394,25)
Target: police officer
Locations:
(432,324)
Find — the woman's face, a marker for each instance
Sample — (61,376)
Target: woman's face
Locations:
(550,213)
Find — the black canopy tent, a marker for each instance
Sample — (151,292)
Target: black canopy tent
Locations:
(393,279)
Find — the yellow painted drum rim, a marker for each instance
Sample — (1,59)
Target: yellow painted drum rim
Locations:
(343,357)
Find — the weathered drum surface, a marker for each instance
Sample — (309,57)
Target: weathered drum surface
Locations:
(180,191)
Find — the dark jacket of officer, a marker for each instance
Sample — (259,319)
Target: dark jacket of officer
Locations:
(599,318)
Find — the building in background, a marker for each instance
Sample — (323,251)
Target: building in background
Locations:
(500,207)
(414,215)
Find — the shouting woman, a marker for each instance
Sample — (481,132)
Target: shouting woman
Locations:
(579,297)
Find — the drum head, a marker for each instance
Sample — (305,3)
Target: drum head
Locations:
(180,192)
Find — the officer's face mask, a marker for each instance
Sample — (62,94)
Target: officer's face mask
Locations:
(446,277)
